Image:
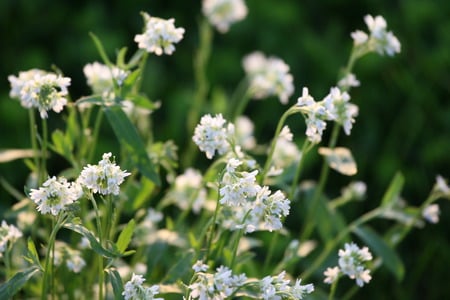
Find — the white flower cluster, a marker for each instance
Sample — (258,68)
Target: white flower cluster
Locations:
(188,191)
(334,107)
(277,288)
(348,82)
(219,285)
(248,206)
(212,135)
(104,178)
(8,233)
(223,13)
(355,190)
(55,195)
(159,36)
(351,262)
(285,153)
(244,129)
(379,39)
(431,213)
(72,258)
(269,76)
(135,290)
(41,90)
(101,78)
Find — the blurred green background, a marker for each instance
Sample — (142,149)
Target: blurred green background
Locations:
(404,120)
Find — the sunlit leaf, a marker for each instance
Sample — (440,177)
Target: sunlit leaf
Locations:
(13,154)
(125,236)
(116,282)
(393,192)
(339,159)
(15,284)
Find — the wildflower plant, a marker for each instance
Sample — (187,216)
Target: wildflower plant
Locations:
(147,220)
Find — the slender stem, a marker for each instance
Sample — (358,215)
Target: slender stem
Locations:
(333,289)
(235,247)
(212,226)
(93,144)
(34,145)
(237,97)
(241,103)
(310,223)
(305,149)
(283,118)
(100,258)
(332,244)
(273,243)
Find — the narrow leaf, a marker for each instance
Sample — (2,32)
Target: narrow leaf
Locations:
(340,159)
(128,136)
(15,284)
(392,193)
(13,154)
(379,246)
(181,268)
(116,282)
(100,49)
(125,236)
(32,253)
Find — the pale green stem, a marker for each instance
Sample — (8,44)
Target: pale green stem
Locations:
(34,145)
(333,289)
(212,227)
(310,222)
(237,97)
(273,243)
(93,144)
(332,244)
(49,257)
(241,104)
(100,258)
(283,118)
(305,150)
(107,233)
(44,151)
(237,240)
(142,64)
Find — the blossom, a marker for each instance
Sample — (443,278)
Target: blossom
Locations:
(8,233)
(244,132)
(351,263)
(104,178)
(271,208)
(379,39)
(285,153)
(441,186)
(348,81)
(315,114)
(55,195)
(431,213)
(277,288)
(339,109)
(135,290)
(199,266)
(331,275)
(39,89)
(101,78)
(269,76)
(159,36)
(188,191)
(355,190)
(223,13)
(211,135)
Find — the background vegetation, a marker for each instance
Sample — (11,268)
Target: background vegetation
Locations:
(404,121)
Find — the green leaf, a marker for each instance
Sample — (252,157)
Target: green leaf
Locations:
(182,267)
(116,282)
(339,159)
(145,190)
(15,284)
(379,246)
(129,138)
(121,57)
(95,245)
(100,49)
(94,99)
(393,192)
(32,255)
(143,102)
(61,144)
(125,236)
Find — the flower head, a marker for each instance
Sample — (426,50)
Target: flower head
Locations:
(101,78)
(431,213)
(269,76)
(41,90)
(104,178)
(212,135)
(331,275)
(277,288)
(188,191)
(8,234)
(223,13)
(159,36)
(55,195)
(315,114)
(135,290)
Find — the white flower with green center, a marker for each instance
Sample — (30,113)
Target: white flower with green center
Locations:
(8,234)
(431,213)
(277,288)
(159,36)
(101,78)
(135,290)
(339,108)
(223,13)
(213,135)
(55,195)
(315,115)
(104,178)
(41,90)
(269,76)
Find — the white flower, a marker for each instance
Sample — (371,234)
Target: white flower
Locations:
(285,153)
(355,190)
(268,77)
(101,78)
(159,35)
(359,37)
(134,289)
(277,288)
(362,276)
(41,90)
(211,135)
(188,191)
(223,13)
(315,114)
(104,178)
(348,81)
(55,195)
(331,274)
(339,109)
(244,132)
(199,266)
(431,213)
(441,186)
(8,233)
(299,291)
(75,262)
(270,208)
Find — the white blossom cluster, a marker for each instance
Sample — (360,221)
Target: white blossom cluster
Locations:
(334,107)
(285,153)
(220,285)
(101,78)
(355,190)
(8,233)
(378,39)
(223,13)
(431,213)
(244,129)
(104,178)
(212,134)
(72,258)
(134,289)
(269,76)
(352,260)
(55,195)
(159,36)
(188,191)
(248,206)
(41,90)
(348,81)
(277,288)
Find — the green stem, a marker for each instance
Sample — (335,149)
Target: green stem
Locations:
(333,289)
(100,258)
(283,118)
(305,150)
(212,227)
(93,144)
(242,102)
(310,223)
(44,149)
(237,240)
(331,245)
(49,258)
(270,252)
(34,145)
(237,97)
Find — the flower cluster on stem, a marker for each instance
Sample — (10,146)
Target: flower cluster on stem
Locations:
(223,13)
